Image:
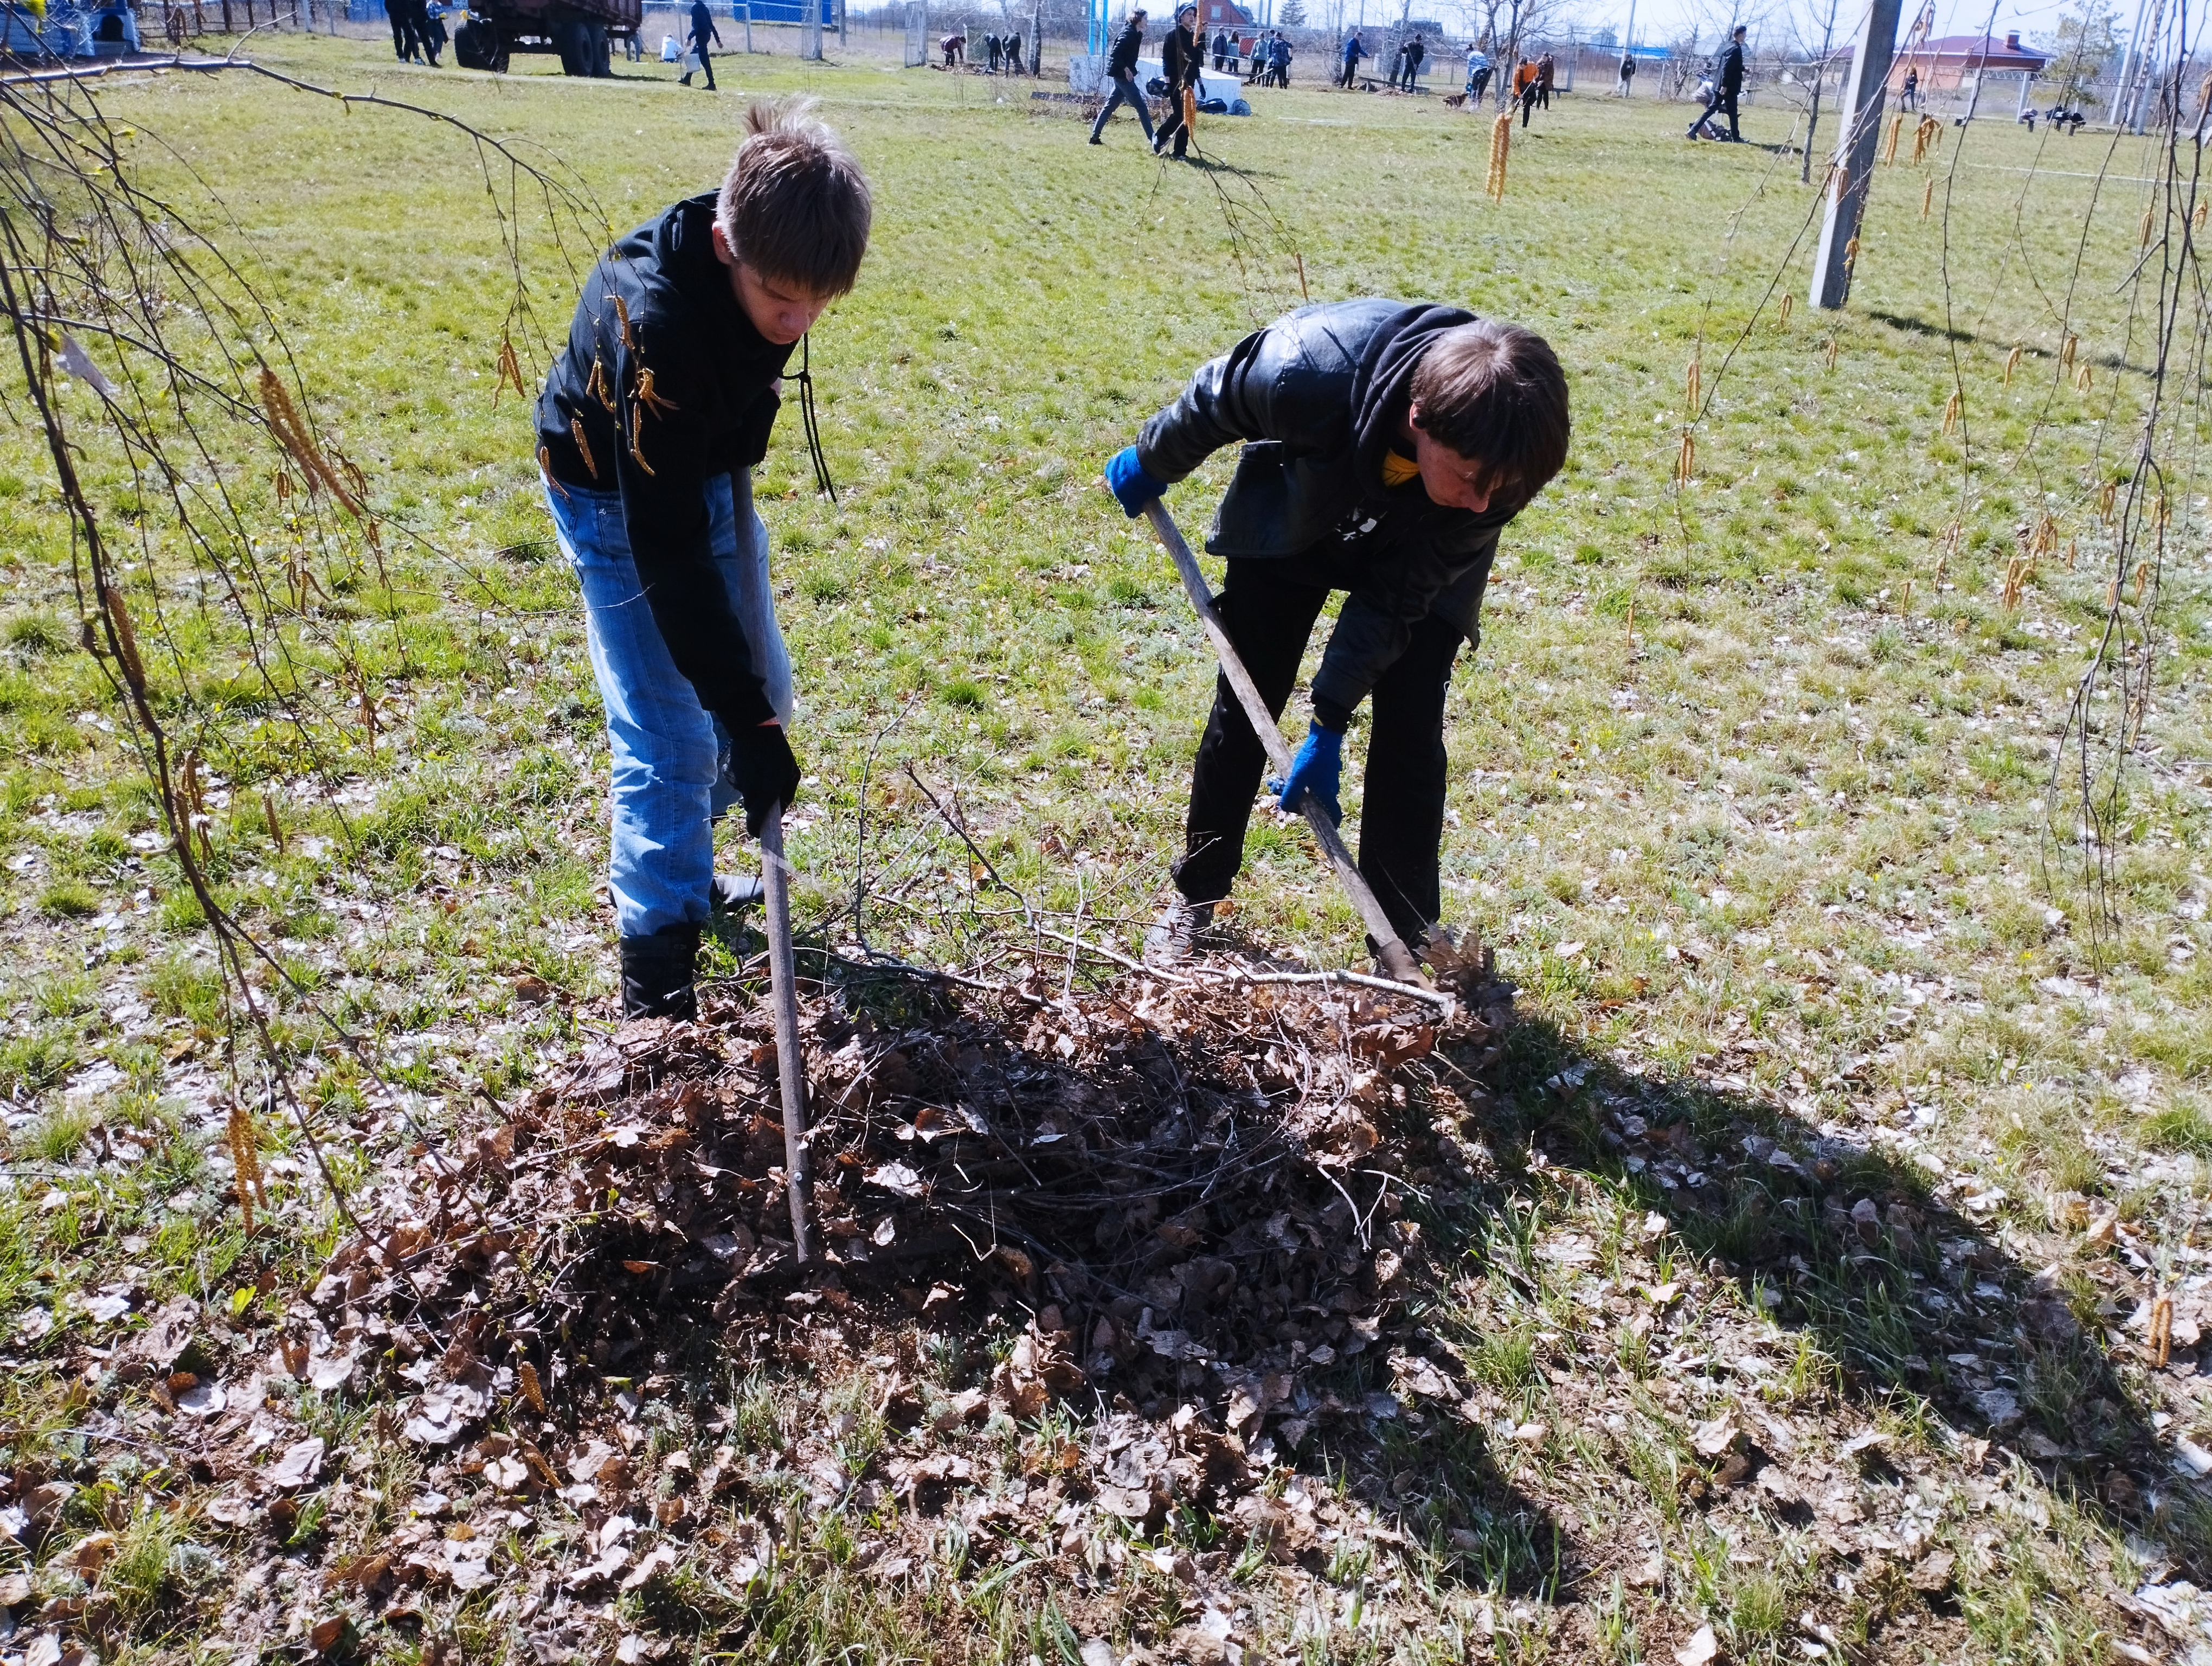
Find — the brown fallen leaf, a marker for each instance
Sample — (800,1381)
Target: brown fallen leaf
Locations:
(329,1635)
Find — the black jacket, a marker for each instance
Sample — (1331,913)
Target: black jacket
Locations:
(702,26)
(1182,59)
(1123,59)
(706,411)
(1727,70)
(1317,397)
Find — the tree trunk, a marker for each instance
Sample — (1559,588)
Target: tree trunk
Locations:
(1812,127)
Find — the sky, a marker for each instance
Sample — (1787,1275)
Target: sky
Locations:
(1659,20)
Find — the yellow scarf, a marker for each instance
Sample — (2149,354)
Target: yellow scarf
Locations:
(1399,471)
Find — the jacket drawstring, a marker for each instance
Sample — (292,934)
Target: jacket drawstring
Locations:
(805,380)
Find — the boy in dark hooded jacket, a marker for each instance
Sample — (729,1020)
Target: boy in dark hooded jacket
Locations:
(1384,444)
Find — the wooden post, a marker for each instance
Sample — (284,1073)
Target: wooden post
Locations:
(1855,143)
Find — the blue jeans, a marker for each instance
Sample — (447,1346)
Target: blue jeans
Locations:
(668,752)
(1125,92)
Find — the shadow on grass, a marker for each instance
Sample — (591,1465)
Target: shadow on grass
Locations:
(1915,1305)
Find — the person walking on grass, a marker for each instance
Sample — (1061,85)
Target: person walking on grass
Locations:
(433,30)
(1524,89)
(648,427)
(1385,445)
(1727,85)
(1182,62)
(1547,68)
(1627,74)
(1279,59)
(1909,99)
(1354,50)
(1122,70)
(702,31)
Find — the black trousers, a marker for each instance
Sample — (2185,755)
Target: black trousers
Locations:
(1402,816)
(1173,127)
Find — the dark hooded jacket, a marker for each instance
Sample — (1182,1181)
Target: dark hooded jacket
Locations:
(1317,399)
(1728,68)
(1122,60)
(1183,59)
(707,411)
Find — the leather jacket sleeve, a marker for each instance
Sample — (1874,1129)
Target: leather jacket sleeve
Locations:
(1376,621)
(1238,397)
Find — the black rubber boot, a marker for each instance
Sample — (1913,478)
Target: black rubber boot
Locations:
(656,974)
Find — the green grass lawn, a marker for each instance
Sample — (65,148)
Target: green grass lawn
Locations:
(1752,779)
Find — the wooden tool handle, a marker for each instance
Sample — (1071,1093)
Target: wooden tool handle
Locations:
(783,988)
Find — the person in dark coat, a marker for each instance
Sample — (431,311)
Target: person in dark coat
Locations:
(1547,68)
(1013,54)
(406,45)
(1627,73)
(991,51)
(1354,50)
(1385,445)
(1728,86)
(702,31)
(650,422)
(433,29)
(1182,63)
(1222,51)
(1121,71)
(1416,52)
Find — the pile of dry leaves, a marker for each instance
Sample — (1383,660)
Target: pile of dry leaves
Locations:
(1192,1189)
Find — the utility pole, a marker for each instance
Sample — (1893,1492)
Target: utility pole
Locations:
(2127,65)
(810,48)
(1855,149)
(2145,75)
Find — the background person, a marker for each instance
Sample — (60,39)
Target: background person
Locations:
(1354,50)
(647,429)
(1122,70)
(1184,63)
(1726,84)
(1478,74)
(702,31)
(1627,73)
(1385,444)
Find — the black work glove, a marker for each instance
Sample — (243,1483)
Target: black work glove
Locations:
(764,770)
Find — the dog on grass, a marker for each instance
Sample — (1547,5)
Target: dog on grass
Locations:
(1456,102)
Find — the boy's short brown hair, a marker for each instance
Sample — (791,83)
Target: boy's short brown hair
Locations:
(1495,393)
(795,205)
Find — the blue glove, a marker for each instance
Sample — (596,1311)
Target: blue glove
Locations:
(1316,771)
(1131,484)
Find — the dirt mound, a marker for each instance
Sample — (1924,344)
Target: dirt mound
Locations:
(1190,1188)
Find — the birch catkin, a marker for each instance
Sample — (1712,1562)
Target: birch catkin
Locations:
(1501,141)
(246,1160)
(1889,145)
(2012,363)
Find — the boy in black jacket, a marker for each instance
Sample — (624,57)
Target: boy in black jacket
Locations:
(1184,63)
(648,426)
(1384,446)
(1122,70)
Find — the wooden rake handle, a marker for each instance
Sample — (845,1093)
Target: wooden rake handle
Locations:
(783,989)
(1397,961)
